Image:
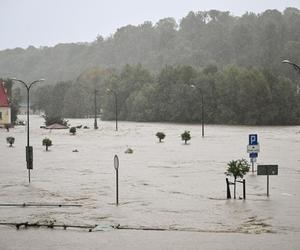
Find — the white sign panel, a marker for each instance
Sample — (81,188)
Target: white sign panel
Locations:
(253,148)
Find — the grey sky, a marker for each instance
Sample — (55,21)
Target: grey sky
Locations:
(48,22)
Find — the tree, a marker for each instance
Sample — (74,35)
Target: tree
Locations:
(73,130)
(10,140)
(47,142)
(186,136)
(160,136)
(237,169)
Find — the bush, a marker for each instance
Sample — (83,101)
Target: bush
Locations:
(186,136)
(160,136)
(10,140)
(237,169)
(47,142)
(73,130)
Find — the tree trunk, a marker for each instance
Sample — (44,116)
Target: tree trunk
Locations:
(159,140)
(46,148)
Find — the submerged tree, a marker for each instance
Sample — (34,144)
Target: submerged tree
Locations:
(186,136)
(73,130)
(47,142)
(237,169)
(160,136)
(10,140)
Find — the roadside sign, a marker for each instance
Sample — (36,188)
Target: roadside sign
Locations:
(116,162)
(253,155)
(253,148)
(267,169)
(116,166)
(253,139)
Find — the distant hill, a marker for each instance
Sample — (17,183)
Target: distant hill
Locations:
(199,39)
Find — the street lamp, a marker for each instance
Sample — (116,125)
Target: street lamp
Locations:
(202,107)
(116,102)
(296,67)
(95,102)
(29,149)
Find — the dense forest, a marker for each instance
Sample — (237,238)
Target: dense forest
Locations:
(234,62)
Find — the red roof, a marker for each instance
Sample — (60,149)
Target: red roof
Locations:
(3,96)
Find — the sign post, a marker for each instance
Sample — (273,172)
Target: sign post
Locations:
(116,166)
(267,170)
(253,149)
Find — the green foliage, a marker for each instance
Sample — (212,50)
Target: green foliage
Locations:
(10,140)
(160,136)
(129,151)
(238,168)
(200,38)
(186,136)
(47,143)
(73,130)
(234,62)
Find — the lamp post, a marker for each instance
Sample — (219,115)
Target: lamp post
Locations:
(296,67)
(29,149)
(116,105)
(95,102)
(202,108)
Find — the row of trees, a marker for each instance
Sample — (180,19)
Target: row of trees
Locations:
(200,38)
(233,95)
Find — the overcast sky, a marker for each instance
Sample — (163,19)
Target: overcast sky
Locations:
(49,22)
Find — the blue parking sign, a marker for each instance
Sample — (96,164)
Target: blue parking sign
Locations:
(253,139)
(253,155)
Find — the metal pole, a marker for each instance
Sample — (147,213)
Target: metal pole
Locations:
(296,67)
(117,187)
(244,189)
(202,102)
(268,184)
(29,150)
(28,158)
(116,100)
(252,161)
(95,102)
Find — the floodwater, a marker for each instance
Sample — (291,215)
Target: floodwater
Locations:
(165,185)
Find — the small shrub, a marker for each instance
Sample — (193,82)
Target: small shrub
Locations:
(160,136)
(10,140)
(73,130)
(237,169)
(129,151)
(186,136)
(47,142)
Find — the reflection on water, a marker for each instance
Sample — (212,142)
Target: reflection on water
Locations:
(162,185)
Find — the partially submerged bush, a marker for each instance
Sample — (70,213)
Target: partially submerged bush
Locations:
(160,136)
(237,169)
(73,130)
(47,143)
(186,136)
(10,140)
(129,151)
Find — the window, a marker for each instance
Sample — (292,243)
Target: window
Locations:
(0,115)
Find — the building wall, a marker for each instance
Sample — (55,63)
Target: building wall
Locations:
(4,115)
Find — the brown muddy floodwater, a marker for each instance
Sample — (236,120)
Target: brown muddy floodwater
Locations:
(165,185)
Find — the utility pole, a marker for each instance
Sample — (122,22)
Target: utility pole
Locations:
(95,103)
